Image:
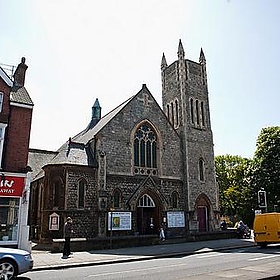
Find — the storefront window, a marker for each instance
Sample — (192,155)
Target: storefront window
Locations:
(9,208)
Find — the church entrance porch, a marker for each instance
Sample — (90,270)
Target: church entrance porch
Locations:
(148,216)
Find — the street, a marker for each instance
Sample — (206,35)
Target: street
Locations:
(248,263)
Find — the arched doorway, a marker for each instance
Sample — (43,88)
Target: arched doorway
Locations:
(203,213)
(148,215)
(202,217)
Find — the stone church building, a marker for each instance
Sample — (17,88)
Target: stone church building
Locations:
(139,167)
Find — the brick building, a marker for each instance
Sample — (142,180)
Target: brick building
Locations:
(15,124)
(138,167)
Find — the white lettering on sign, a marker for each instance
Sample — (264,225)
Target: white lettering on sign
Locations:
(7,183)
(6,191)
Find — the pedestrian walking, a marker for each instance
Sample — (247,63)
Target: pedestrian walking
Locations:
(68,230)
(161,234)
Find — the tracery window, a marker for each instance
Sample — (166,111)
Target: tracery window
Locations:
(145,149)
(146,201)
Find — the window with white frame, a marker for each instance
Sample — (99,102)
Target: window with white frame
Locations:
(2,135)
(1,100)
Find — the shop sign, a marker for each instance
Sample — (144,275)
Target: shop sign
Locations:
(11,186)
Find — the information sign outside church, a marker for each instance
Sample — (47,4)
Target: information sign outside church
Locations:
(119,220)
(175,219)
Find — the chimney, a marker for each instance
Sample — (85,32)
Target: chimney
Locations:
(19,75)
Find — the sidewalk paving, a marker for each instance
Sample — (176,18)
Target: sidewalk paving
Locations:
(44,260)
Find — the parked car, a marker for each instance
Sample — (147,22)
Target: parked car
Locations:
(14,262)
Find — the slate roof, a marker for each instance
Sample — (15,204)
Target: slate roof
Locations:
(37,159)
(5,77)
(88,134)
(76,151)
(20,95)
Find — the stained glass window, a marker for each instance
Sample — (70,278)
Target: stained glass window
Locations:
(145,145)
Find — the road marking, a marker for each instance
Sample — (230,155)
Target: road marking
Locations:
(262,258)
(135,270)
(122,272)
(210,255)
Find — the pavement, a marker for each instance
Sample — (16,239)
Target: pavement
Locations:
(44,260)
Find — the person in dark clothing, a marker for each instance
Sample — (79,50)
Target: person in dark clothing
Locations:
(67,235)
(223,225)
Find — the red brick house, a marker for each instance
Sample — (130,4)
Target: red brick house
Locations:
(15,124)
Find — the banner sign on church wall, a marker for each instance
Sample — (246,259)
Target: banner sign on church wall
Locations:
(11,186)
(119,220)
(175,219)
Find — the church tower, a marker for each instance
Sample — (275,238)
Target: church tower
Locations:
(186,104)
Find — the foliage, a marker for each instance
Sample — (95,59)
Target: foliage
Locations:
(240,179)
(236,195)
(266,168)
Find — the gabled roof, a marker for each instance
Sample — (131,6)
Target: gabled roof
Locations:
(5,78)
(76,150)
(88,134)
(20,96)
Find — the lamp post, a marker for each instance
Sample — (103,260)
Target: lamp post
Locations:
(111,227)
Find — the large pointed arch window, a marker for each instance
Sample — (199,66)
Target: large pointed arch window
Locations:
(145,150)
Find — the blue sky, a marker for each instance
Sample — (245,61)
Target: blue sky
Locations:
(81,50)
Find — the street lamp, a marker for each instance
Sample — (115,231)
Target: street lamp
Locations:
(111,227)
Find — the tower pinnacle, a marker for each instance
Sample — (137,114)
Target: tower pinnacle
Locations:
(202,59)
(181,52)
(163,62)
(95,115)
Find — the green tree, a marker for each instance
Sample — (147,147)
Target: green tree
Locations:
(266,167)
(236,193)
